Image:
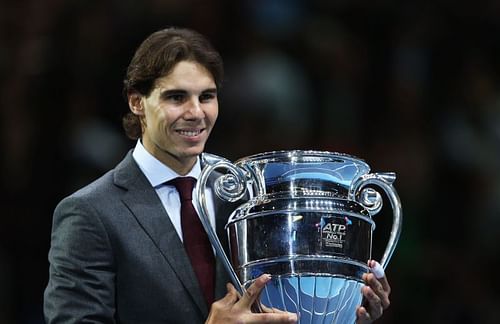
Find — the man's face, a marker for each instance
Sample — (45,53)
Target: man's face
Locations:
(178,115)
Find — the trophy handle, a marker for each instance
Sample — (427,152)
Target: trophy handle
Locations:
(231,187)
(372,201)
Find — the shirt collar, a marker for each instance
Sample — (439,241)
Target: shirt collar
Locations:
(155,171)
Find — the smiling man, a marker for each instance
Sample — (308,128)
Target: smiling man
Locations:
(178,115)
(129,248)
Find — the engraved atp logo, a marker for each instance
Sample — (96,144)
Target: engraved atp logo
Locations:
(333,233)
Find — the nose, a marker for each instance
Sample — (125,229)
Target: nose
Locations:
(194,109)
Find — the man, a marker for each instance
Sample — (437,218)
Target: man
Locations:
(120,251)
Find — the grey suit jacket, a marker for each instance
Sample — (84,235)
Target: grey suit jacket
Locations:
(116,257)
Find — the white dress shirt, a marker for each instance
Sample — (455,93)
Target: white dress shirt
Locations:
(158,174)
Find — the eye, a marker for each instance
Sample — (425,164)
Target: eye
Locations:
(207,96)
(176,97)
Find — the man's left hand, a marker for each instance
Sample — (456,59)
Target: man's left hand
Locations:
(375,295)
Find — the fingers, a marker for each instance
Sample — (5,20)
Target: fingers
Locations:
(385,286)
(234,308)
(232,295)
(282,317)
(375,293)
(372,303)
(229,299)
(376,269)
(379,273)
(378,282)
(269,315)
(224,305)
(266,309)
(252,293)
(363,317)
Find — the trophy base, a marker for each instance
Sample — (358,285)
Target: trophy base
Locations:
(316,299)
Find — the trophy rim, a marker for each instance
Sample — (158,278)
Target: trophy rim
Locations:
(263,206)
(291,155)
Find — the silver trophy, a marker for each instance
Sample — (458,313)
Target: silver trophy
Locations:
(306,218)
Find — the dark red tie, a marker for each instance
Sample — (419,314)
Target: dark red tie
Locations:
(195,238)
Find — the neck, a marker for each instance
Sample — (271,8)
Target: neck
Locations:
(181,164)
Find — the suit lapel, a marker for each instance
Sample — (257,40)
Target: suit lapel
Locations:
(145,205)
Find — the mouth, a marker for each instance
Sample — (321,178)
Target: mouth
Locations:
(189,132)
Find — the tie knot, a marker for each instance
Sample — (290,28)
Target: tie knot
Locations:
(184,186)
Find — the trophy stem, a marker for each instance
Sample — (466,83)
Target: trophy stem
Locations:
(201,206)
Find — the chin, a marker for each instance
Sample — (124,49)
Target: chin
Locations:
(193,151)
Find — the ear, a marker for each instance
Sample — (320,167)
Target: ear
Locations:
(135,103)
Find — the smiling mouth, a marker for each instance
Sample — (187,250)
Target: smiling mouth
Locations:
(190,133)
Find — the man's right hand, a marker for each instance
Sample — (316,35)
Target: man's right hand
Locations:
(234,308)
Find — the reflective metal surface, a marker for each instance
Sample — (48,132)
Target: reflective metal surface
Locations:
(321,236)
(317,299)
(308,222)
(291,171)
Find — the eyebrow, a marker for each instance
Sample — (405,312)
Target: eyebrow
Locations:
(166,93)
(211,90)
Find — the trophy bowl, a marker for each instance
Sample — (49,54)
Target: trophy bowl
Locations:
(306,218)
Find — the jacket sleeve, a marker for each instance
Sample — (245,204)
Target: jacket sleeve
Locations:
(81,287)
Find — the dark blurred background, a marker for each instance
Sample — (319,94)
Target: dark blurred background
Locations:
(410,86)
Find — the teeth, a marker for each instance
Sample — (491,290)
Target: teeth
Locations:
(189,133)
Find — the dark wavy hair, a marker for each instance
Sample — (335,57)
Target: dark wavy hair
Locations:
(157,56)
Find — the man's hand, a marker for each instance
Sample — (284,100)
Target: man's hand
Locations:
(375,293)
(234,308)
